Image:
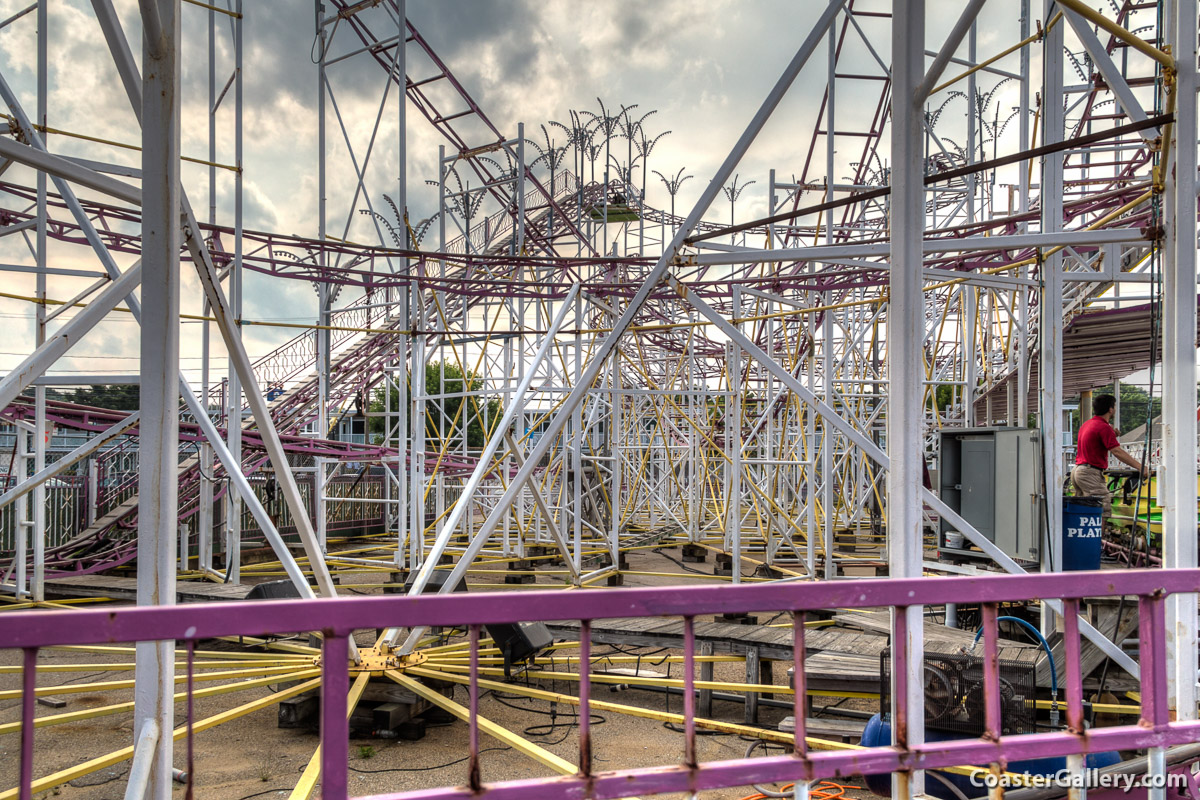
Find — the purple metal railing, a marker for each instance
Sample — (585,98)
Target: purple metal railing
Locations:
(338,618)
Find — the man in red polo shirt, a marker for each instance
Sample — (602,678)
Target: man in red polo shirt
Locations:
(1098,440)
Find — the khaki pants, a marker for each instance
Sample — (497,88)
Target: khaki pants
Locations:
(1090,481)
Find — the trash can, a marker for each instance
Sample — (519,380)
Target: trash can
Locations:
(1082,532)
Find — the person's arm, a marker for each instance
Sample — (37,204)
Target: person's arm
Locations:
(1121,455)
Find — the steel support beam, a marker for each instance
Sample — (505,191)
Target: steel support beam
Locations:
(158,442)
(1051,306)
(1112,74)
(210,282)
(944,56)
(1179,360)
(906,349)
(600,357)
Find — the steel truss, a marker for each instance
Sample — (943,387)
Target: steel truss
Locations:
(771,398)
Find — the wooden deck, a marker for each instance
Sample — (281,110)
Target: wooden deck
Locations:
(843,658)
(120,588)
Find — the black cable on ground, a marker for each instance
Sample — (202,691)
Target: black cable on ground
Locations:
(671,726)
(684,566)
(830,707)
(419,769)
(554,714)
(267,791)
(659,550)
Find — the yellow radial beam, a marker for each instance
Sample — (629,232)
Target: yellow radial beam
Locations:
(630,680)
(308,780)
(108,686)
(286,647)
(129,651)
(298,661)
(666,716)
(117,708)
(574,660)
(519,743)
(125,753)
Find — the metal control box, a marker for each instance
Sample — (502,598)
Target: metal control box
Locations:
(993,478)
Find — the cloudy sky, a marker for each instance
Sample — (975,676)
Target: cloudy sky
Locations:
(703,66)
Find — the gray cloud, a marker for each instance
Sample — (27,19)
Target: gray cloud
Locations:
(705,65)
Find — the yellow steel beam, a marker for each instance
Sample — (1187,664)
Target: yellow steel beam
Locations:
(666,716)
(630,680)
(519,743)
(117,708)
(125,753)
(596,660)
(74,601)
(108,686)
(717,686)
(1125,35)
(308,780)
(15,669)
(1099,708)
(129,651)
(689,575)
(755,561)
(286,647)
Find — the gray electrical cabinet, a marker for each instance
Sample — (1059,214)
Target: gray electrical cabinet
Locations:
(993,478)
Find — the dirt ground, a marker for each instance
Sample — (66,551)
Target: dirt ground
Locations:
(251,757)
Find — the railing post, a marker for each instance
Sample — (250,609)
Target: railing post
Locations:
(475,780)
(901,780)
(28,692)
(1072,667)
(689,692)
(799,705)
(993,725)
(1152,658)
(1074,675)
(585,697)
(335,727)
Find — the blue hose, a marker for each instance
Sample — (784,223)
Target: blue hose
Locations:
(1042,639)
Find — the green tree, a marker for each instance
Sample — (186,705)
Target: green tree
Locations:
(443,418)
(1137,406)
(122,397)
(943,396)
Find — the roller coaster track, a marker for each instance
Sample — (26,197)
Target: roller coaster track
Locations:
(419,93)
(111,539)
(481,263)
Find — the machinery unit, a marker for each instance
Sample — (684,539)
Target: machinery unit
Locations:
(954,700)
(993,478)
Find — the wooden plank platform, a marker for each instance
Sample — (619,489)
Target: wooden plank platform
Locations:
(844,730)
(838,659)
(726,637)
(121,588)
(940,639)
(1104,617)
